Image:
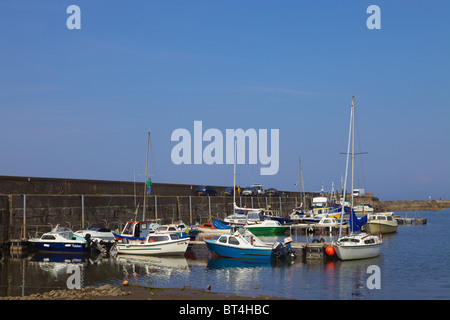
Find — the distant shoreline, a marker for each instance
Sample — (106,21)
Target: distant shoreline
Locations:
(411,205)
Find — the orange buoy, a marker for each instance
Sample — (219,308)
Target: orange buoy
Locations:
(125,283)
(329,250)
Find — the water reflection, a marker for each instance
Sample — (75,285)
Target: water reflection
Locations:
(223,263)
(143,267)
(402,271)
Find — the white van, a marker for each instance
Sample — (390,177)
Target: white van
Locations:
(259,189)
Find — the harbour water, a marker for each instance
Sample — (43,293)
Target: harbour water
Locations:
(414,264)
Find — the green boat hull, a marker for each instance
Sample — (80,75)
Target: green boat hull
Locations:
(267,231)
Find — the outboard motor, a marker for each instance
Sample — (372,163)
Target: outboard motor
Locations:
(287,246)
(88,238)
(278,250)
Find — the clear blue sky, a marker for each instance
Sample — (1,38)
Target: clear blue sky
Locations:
(79,103)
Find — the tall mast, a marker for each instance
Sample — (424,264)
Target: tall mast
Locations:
(353,146)
(346,170)
(234,178)
(146,171)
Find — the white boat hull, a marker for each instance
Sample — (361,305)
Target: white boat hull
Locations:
(212,231)
(358,252)
(174,247)
(376,227)
(358,246)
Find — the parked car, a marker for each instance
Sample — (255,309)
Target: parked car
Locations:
(249,191)
(259,189)
(205,190)
(272,192)
(227,192)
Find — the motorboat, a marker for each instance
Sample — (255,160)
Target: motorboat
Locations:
(381,222)
(137,230)
(328,222)
(241,215)
(244,244)
(275,215)
(363,208)
(154,244)
(210,228)
(296,215)
(267,228)
(61,239)
(178,228)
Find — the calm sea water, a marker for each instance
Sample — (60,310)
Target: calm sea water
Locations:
(414,264)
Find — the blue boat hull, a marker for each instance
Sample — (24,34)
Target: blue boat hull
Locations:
(61,247)
(237,252)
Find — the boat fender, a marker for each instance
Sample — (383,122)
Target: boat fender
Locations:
(329,251)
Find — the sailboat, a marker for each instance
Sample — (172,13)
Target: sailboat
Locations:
(356,245)
(239,217)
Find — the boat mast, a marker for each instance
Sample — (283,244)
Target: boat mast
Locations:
(346,169)
(234,178)
(353,147)
(302,191)
(145,183)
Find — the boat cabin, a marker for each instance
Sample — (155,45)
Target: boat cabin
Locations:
(381,217)
(139,229)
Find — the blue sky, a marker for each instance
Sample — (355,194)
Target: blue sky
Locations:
(79,103)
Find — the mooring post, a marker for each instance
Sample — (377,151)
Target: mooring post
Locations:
(190,210)
(82,211)
(209,207)
(280,206)
(24,216)
(156,207)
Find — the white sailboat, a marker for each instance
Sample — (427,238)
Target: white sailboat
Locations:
(355,245)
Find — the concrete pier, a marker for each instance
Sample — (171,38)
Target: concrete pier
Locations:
(30,205)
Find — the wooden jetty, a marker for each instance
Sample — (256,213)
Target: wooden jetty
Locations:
(309,250)
(18,246)
(406,220)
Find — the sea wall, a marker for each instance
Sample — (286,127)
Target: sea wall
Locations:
(77,203)
(58,186)
(38,213)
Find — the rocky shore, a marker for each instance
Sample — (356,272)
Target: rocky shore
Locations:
(107,292)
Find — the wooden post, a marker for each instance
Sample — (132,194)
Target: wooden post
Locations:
(156,207)
(82,211)
(24,216)
(190,209)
